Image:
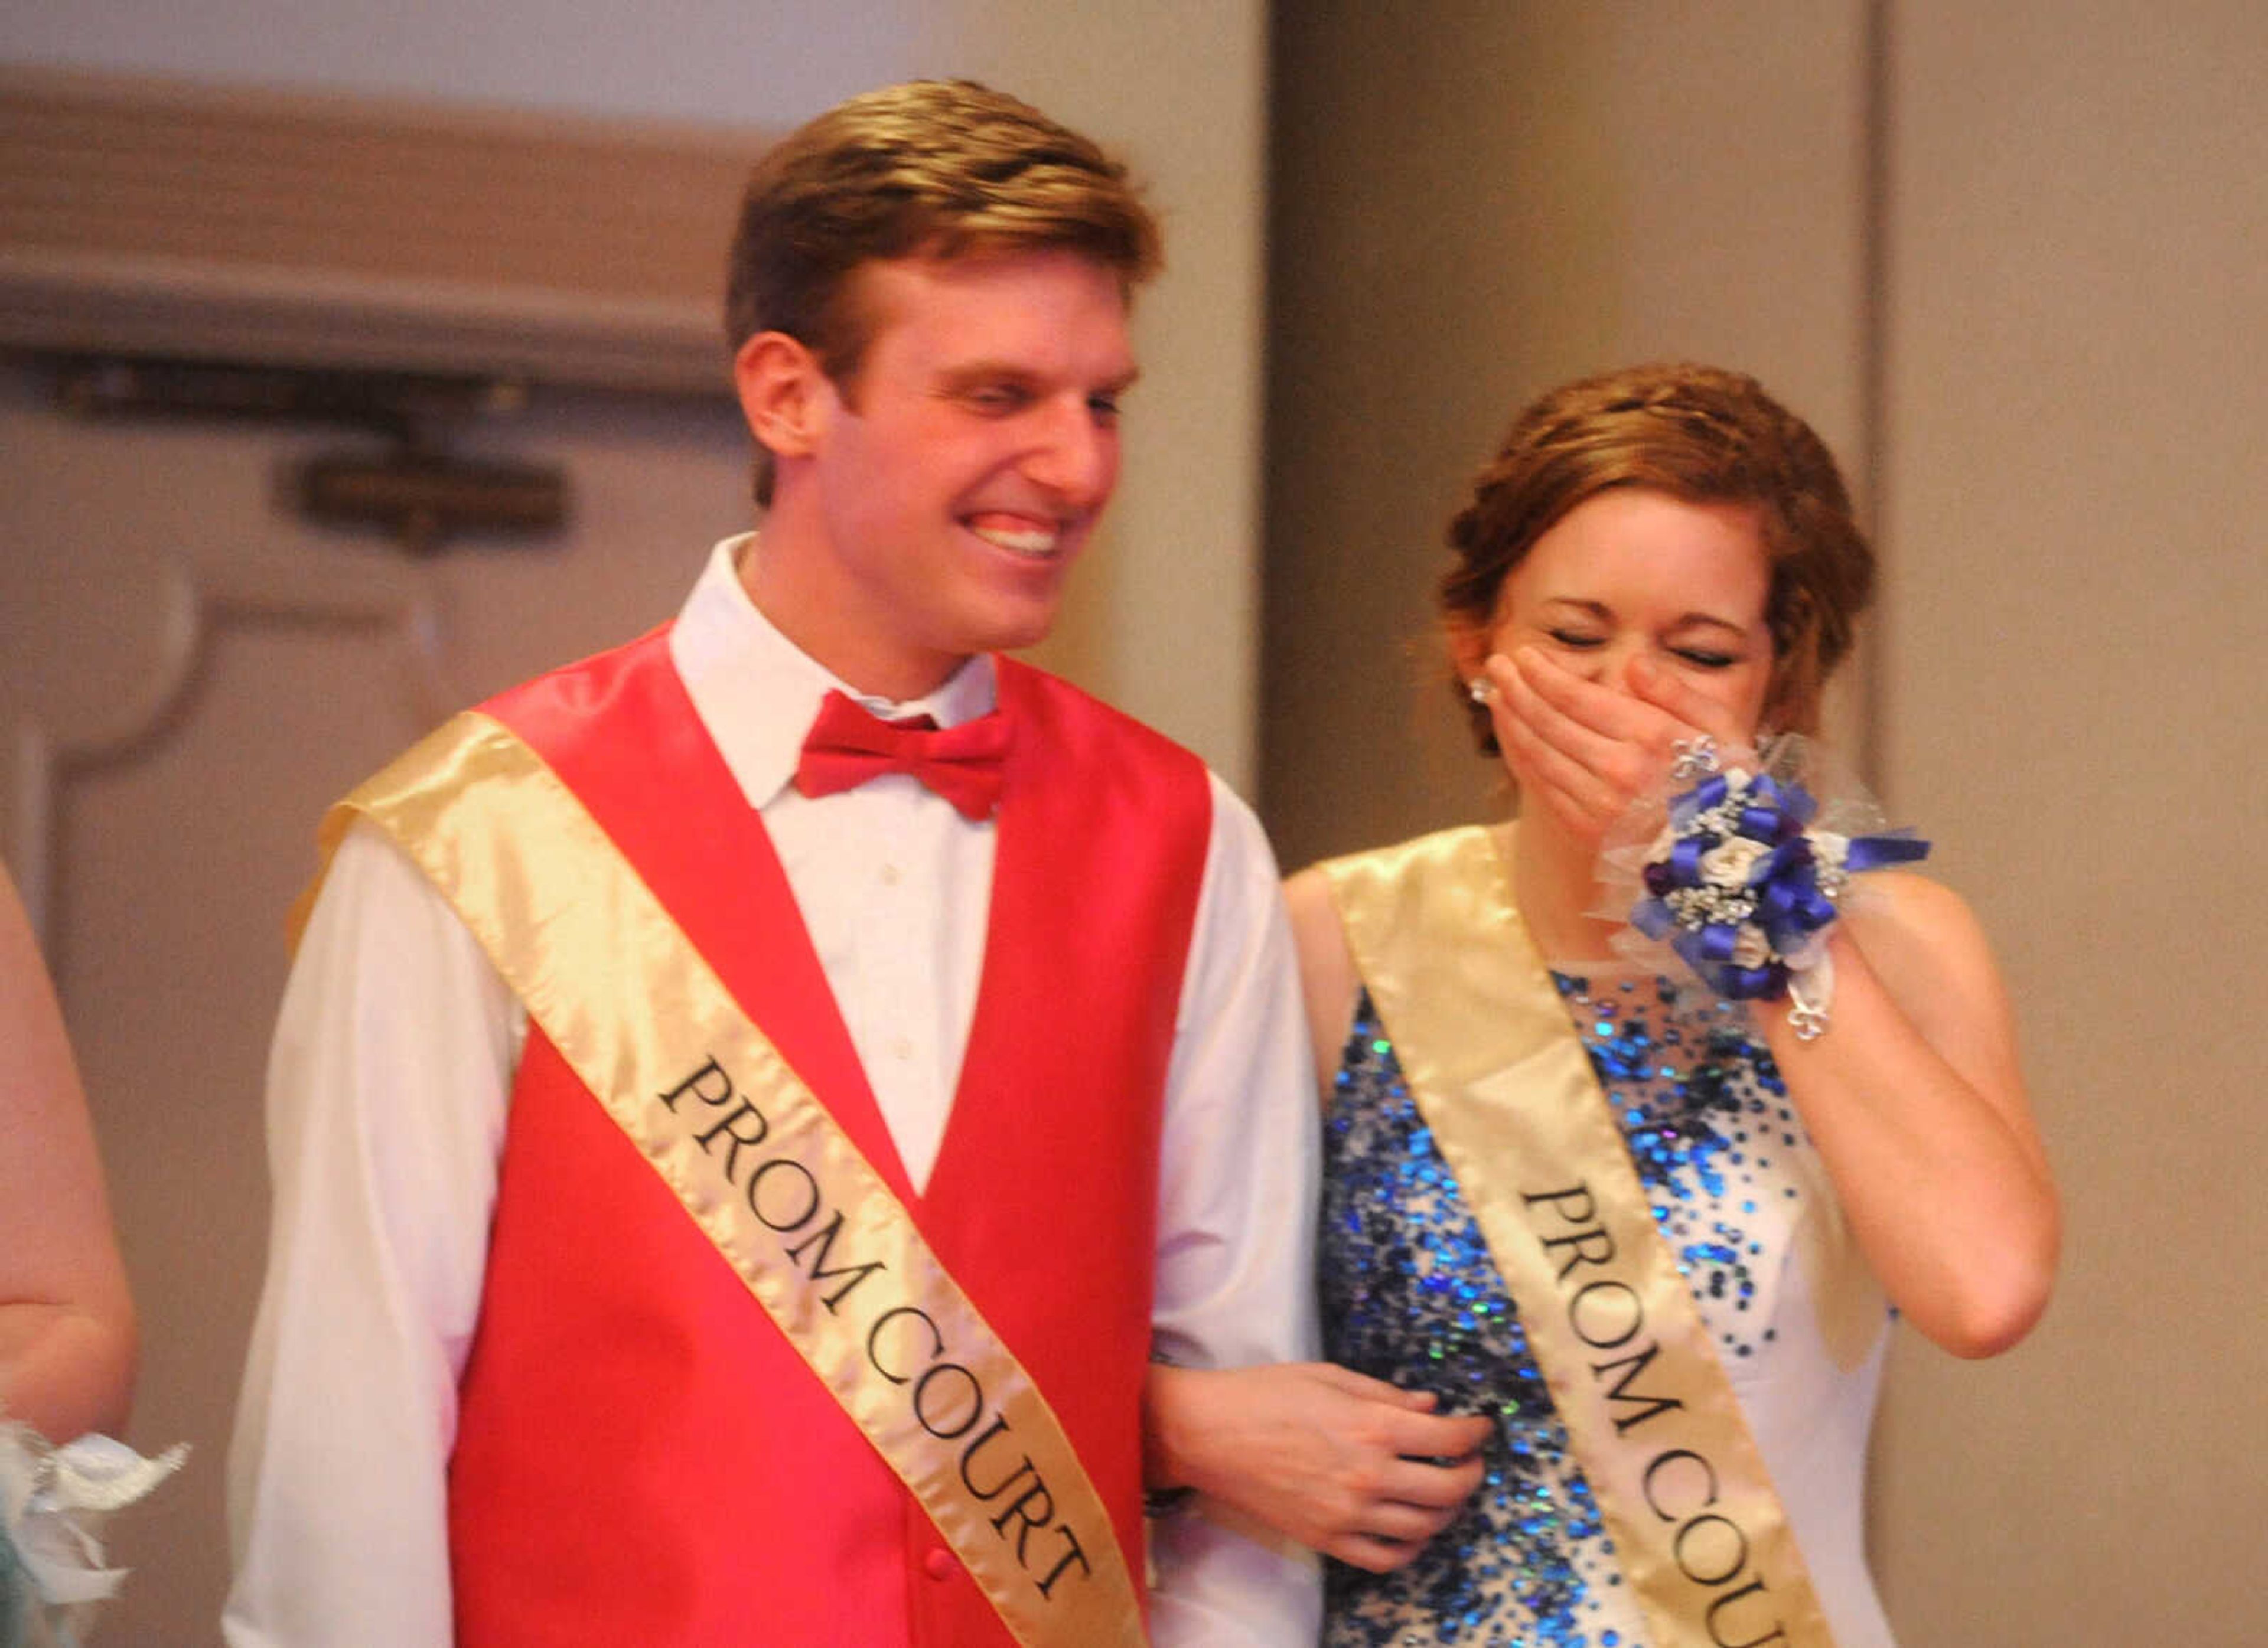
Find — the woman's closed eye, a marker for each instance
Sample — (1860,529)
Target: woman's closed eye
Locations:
(1576,638)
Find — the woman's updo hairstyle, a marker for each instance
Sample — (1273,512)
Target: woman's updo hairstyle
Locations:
(1698,433)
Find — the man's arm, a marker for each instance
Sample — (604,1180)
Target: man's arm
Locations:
(1236,1204)
(1349,1465)
(386,1091)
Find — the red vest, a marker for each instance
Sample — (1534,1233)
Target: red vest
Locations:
(642,1457)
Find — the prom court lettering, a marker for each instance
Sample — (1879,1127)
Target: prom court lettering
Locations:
(904,1345)
(1679,1483)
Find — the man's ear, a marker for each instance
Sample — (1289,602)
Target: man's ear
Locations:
(784,393)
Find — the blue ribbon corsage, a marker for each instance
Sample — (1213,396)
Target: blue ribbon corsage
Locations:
(1744,886)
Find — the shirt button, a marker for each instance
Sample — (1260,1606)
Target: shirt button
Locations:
(939,1563)
(901,1048)
(889,875)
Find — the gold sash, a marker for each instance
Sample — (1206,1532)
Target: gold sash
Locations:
(787,1198)
(1502,1081)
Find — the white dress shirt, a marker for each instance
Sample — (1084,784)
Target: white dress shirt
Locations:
(392,1073)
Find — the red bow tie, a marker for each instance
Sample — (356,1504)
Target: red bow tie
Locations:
(848,745)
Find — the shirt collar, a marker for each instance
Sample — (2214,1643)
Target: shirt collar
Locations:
(756,691)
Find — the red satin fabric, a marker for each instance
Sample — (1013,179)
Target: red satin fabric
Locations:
(641,1455)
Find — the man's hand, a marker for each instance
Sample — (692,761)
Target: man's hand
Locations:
(1351,1466)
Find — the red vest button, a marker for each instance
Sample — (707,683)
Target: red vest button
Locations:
(939,1563)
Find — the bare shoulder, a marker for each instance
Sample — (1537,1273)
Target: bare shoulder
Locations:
(1328,980)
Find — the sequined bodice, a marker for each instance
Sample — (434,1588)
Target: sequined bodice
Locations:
(1408,1294)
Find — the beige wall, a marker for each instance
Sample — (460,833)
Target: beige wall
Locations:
(1163,619)
(2075,496)
(2062,374)
(1464,214)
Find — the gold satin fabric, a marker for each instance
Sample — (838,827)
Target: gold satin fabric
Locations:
(1502,1081)
(601,965)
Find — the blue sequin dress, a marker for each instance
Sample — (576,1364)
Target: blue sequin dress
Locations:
(1410,1294)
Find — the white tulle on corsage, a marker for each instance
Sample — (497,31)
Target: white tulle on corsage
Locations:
(1739,869)
(52,1503)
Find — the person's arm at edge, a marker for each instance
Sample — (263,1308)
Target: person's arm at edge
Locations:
(387,1085)
(67,1326)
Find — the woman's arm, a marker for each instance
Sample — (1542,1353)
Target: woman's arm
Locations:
(1916,1102)
(67,1336)
(1914,1097)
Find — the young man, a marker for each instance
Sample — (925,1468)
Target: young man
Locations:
(734,1157)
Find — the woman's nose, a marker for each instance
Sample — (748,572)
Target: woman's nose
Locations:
(1610,665)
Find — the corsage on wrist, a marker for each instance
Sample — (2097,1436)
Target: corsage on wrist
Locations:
(52,1503)
(1743,882)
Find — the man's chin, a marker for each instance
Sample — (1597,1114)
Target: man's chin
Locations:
(1022,634)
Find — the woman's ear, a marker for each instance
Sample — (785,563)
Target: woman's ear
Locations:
(785,396)
(1469,645)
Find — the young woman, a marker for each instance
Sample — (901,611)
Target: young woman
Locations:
(1655,1234)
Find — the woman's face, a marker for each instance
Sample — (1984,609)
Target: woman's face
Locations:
(1632,572)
